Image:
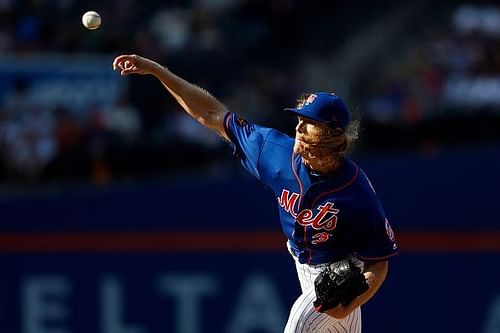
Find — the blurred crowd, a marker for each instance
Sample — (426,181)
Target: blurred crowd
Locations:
(224,46)
(446,80)
(456,66)
(246,52)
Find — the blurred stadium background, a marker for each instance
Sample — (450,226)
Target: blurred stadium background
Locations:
(120,214)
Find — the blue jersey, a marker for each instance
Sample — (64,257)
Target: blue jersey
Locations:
(324,218)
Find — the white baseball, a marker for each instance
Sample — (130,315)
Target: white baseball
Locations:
(91,20)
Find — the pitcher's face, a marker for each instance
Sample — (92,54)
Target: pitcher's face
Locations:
(310,135)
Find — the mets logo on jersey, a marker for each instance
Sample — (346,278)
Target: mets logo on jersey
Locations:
(323,218)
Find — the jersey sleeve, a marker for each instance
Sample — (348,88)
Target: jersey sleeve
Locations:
(377,241)
(248,141)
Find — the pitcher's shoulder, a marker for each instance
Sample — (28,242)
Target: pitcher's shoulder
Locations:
(278,138)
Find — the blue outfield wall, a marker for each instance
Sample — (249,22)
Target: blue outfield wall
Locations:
(192,286)
(228,293)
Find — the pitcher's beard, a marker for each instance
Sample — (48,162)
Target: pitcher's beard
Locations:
(320,157)
(316,153)
(306,150)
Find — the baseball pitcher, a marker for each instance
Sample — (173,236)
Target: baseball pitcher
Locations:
(336,227)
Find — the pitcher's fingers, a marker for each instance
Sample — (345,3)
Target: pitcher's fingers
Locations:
(127,71)
(117,65)
(128,64)
(123,57)
(120,59)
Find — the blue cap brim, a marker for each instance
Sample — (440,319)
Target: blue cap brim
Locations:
(300,112)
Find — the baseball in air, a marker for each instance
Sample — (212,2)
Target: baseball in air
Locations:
(91,20)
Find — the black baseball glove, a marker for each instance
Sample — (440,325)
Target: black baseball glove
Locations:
(339,283)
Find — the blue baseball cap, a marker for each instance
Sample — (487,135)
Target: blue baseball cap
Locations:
(325,107)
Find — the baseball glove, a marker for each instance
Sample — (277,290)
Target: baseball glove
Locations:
(339,283)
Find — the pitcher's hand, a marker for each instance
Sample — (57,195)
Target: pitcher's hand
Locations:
(134,64)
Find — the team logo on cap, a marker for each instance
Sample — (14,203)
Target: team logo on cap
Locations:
(310,99)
